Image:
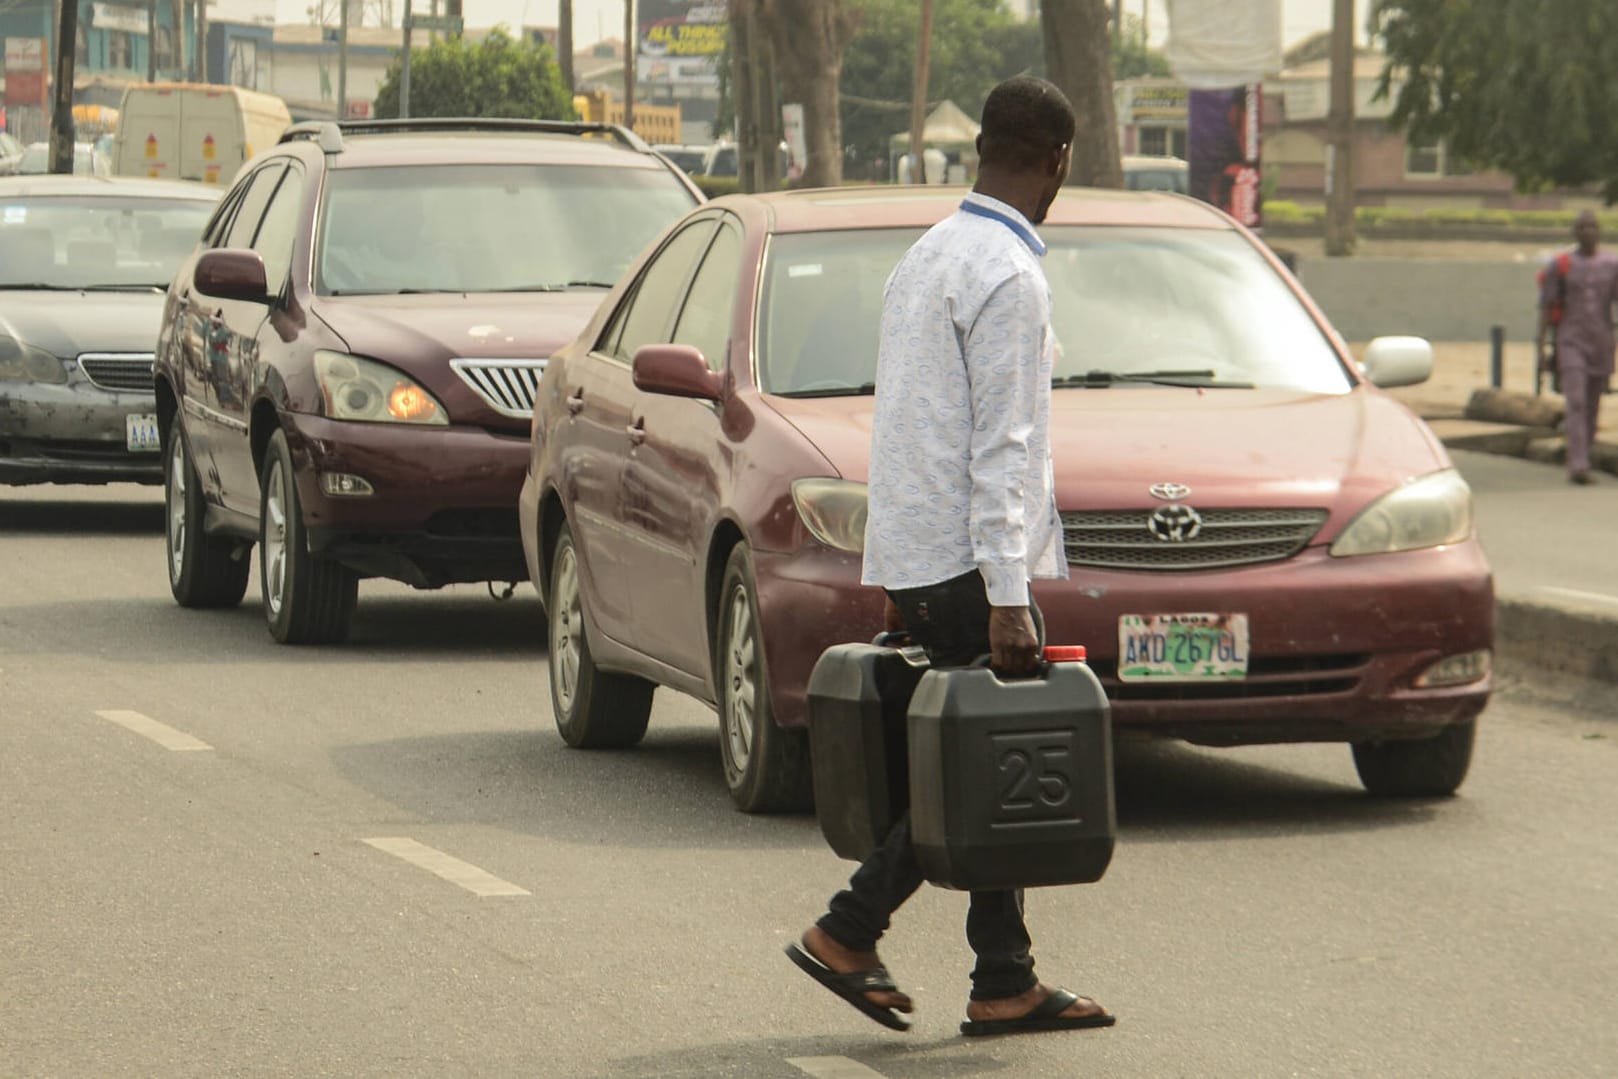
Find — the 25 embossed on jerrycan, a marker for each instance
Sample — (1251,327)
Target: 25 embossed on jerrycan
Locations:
(858,700)
(1011,779)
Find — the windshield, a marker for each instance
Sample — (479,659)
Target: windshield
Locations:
(78,242)
(689,160)
(489,228)
(1180,304)
(36,161)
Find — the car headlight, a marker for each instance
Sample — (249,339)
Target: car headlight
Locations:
(359,389)
(21,362)
(833,511)
(1426,512)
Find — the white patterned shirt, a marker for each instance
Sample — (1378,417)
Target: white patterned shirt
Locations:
(961,474)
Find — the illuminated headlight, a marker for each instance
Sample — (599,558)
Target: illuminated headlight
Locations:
(25,363)
(833,511)
(361,389)
(1457,670)
(1427,512)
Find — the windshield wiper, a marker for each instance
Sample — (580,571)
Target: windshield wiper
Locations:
(1190,379)
(551,288)
(392,291)
(864,389)
(42,286)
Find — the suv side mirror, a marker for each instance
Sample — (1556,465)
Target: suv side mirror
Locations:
(1397,361)
(231,274)
(676,371)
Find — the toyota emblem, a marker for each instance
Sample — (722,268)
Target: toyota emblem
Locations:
(1170,492)
(1174,524)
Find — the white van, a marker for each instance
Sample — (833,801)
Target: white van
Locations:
(194,131)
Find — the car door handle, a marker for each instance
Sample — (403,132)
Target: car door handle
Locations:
(575,403)
(637,432)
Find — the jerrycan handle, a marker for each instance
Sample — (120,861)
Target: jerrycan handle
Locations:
(893,638)
(1053,653)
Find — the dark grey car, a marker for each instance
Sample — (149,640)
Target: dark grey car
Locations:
(84,265)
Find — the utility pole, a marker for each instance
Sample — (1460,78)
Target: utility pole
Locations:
(631,47)
(1117,21)
(151,40)
(564,44)
(342,59)
(1340,133)
(67,39)
(404,68)
(918,97)
(201,22)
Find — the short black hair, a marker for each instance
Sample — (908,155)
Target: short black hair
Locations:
(1025,120)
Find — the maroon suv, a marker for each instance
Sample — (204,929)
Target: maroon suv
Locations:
(346,369)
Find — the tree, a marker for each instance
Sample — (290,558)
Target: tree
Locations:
(498,76)
(1523,87)
(1078,57)
(810,36)
(1132,56)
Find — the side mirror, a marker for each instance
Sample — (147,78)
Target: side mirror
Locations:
(1397,361)
(676,371)
(231,274)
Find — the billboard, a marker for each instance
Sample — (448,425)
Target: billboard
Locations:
(1224,150)
(25,72)
(680,41)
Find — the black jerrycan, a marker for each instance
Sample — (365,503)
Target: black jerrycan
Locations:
(858,696)
(1011,780)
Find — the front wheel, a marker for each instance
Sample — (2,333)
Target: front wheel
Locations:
(1428,768)
(307,599)
(204,570)
(594,709)
(766,765)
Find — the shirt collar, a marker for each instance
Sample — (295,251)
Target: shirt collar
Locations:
(1007,215)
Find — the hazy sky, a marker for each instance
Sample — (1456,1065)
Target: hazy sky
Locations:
(596,19)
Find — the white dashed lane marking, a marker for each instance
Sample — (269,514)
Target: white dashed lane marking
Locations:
(833,1068)
(468,876)
(161,733)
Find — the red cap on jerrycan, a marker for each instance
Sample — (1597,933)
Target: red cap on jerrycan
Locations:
(1065,653)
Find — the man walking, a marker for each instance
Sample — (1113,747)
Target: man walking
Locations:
(1578,295)
(962,515)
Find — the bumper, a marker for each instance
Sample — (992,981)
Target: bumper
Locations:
(72,433)
(1336,644)
(443,507)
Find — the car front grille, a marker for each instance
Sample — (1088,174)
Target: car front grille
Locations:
(1124,539)
(119,370)
(508,386)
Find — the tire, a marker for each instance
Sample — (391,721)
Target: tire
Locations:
(594,709)
(1428,768)
(204,571)
(766,765)
(307,599)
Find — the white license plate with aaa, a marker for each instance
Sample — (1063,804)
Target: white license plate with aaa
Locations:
(1195,647)
(140,431)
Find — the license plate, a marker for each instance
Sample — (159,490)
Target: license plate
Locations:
(140,432)
(1182,647)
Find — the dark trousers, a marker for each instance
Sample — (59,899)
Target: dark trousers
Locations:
(950,621)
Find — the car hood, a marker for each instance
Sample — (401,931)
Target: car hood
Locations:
(421,333)
(1244,448)
(69,323)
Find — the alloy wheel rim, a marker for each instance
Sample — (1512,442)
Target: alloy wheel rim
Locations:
(741,681)
(567,629)
(175,496)
(275,541)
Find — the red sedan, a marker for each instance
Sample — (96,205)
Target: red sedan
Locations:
(1264,546)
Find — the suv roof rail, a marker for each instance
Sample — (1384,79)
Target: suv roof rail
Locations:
(329,133)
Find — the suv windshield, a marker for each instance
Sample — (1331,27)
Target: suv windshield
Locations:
(68,242)
(489,228)
(1167,306)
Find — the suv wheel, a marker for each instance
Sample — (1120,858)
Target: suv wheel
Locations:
(307,599)
(204,570)
(766,765)
(1428,768)
(594,709)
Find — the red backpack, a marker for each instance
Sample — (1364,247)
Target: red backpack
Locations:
(1554,310)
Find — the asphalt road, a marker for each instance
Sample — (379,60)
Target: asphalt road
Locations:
(226,857)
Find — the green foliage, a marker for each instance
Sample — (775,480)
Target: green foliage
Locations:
(1526,87)
(1132,57)
(1437,220)
(499,76)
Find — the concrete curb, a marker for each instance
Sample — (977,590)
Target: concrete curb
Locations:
(1556,641)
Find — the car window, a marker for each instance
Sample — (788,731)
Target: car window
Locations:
(1124,300)
(61,241)
(646,317)
(219,224)
(275,236)
(490,228)
(251,212)
(705,318)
